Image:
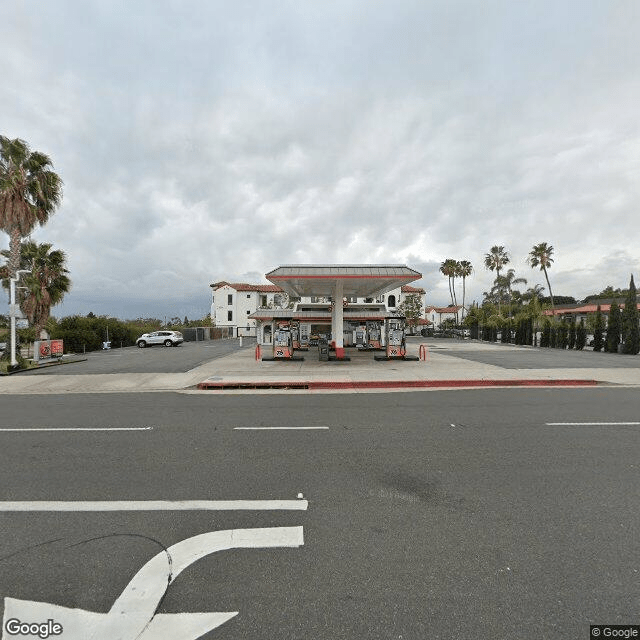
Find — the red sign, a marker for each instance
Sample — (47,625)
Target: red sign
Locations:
(51,349)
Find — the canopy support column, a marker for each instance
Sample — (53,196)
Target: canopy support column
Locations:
(337,319)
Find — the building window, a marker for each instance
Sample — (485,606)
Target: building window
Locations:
(229,316)
(248,311)
(263,301)
(213,299)
(380,299)
(392,301)
(230,299)
(248,295)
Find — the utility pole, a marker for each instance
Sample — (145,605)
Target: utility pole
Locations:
(14,312)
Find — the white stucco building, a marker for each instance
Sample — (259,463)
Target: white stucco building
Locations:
(437,315)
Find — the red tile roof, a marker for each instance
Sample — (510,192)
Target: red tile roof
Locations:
(409,289)
(443,309)
(243,286)
(585,308)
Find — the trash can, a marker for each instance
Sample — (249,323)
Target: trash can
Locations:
(323,349)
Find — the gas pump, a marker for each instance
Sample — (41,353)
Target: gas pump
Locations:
(283,342)
(394,338)
(283,345)
(295,334)
(373,335)
(395,344)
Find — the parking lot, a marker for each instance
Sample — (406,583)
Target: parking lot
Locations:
(156,359)
(511,356)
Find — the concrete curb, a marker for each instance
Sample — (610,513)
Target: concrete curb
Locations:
(387,384)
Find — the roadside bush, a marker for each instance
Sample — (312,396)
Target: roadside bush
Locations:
(613,328)
(581,336)
(572,334)
(505,331)
(630,329)
(598,330)
(563,335)
(82,334)
(545,338)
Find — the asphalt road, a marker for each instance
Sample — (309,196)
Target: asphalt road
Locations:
(517,357)
(441,514)
(155,359)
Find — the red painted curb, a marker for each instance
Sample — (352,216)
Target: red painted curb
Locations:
(392,384)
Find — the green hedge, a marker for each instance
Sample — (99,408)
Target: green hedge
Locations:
(82,334)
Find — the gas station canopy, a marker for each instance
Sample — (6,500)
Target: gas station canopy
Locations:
(362,281)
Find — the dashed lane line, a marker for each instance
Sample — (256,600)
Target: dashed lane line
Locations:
(156,505)
(277,428)
(590,424)
(27,429)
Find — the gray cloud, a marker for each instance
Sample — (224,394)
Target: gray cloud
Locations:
(220,142)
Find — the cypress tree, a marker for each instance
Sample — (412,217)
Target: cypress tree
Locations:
(572,334)
(563,335)
(630,329)
(505,331)
(545,338)
(581,336)
(598,330)
(613,328)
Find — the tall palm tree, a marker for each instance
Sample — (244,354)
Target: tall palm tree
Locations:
(448,268)
(540,256)
(47,283)
(495,260)
(465,269)
(30,192)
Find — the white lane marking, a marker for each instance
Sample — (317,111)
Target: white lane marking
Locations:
(157,505)
(277,428)
(588,424)
(132,616)
(78,429)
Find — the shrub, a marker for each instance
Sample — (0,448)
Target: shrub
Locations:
(581,336)
(630,329)
(572,334)
(613,328)
(598,330)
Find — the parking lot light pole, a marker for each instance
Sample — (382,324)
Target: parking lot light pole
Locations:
(13,313)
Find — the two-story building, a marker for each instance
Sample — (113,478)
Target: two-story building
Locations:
(437,315)
(233,303)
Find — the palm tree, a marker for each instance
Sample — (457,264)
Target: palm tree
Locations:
(464,270)
(540,256)
(533,292)
(510,280)
(495,260)
(448,268)
(30,192)
(47,283)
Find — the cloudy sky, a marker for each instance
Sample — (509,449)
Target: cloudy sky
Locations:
(208,140)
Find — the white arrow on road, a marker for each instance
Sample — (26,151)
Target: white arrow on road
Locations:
(132,617)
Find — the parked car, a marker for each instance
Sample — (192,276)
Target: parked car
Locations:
(167,338)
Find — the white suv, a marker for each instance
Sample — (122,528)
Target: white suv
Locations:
(167,338)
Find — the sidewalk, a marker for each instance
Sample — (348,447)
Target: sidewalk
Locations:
(241,371)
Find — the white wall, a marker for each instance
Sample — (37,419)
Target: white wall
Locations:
(243,304)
